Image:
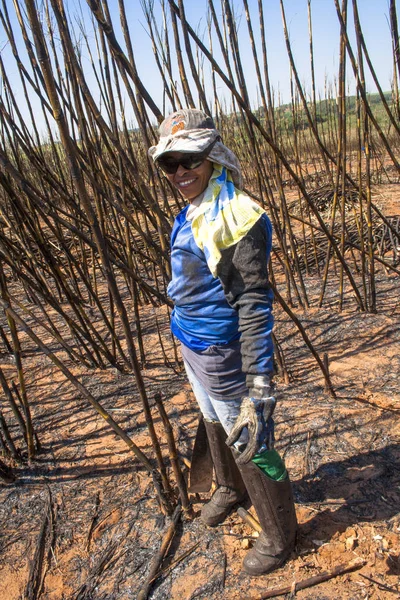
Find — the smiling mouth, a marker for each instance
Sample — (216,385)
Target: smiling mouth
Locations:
(183,184)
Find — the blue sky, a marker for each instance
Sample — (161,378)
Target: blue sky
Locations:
(374,15)
(374,21)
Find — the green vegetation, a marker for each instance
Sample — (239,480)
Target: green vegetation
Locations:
(291,118)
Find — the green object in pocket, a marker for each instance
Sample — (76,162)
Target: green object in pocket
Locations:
(271,464)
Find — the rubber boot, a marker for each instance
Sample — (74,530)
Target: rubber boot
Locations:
(231,489)
(273,503)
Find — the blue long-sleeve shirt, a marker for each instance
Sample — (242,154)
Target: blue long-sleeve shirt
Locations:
(237,303)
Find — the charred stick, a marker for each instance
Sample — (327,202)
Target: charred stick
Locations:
(249,519)
(181,483)
(35,581)
(159,556)
(317,579)
(164,502)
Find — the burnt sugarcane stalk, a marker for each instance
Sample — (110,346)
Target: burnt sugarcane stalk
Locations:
(279,154)
(7,440)
(18,363)
(164,501)
(76,173)
(14,407)
(159,556)
(306,339)
(180,481)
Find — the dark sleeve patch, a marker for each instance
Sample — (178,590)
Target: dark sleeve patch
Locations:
(244,266)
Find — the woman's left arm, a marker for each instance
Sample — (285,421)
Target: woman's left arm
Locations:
(243,272)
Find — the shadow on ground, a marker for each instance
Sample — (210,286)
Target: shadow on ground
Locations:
(364,487)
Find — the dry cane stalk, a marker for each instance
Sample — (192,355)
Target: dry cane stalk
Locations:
(164,502)
(246,109)
(355,564)
(181,483)
(38,189)
(70,149)
(159,556)
(249,519)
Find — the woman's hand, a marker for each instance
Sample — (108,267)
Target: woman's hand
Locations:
(255,414)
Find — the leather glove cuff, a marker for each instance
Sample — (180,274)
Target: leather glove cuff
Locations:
(259,386)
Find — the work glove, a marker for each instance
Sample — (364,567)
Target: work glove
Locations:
(255,414)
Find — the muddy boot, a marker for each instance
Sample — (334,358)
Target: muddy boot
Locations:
(273,503)
(231,489)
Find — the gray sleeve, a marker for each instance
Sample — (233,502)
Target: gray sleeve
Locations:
(243,272)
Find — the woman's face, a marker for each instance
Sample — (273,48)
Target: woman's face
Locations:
(190,182)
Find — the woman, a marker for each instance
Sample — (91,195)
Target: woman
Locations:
(220,247)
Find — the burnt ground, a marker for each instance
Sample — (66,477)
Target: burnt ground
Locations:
(343,455)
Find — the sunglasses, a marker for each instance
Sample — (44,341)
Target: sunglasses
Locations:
(170,165)
(188,162)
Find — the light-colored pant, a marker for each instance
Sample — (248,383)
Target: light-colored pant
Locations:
(222,411)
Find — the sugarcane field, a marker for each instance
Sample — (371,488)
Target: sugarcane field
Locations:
(184,185)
